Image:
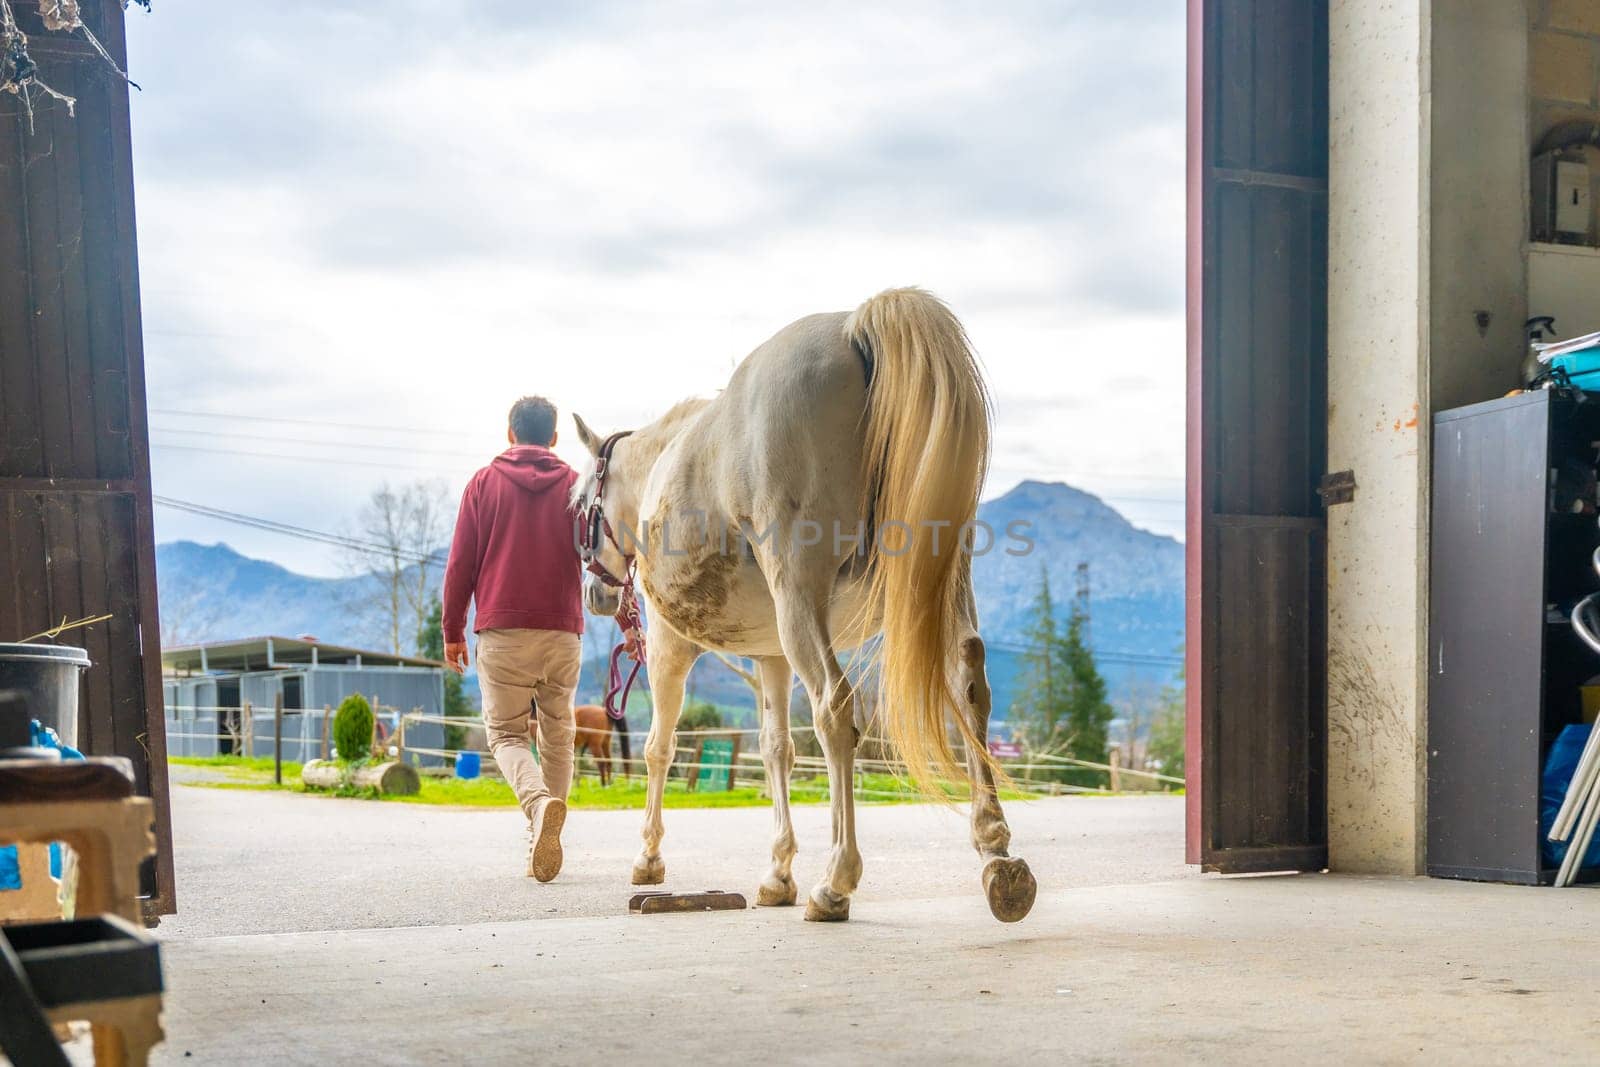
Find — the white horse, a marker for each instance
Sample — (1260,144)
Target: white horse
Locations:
(821,499)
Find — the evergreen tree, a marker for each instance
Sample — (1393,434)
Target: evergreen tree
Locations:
(1089,714)
(1166,732)
(1043,703)
(430,645)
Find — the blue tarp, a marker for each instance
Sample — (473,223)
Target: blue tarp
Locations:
(1559,767)
(10,873)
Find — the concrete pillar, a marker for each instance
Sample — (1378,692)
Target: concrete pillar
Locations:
(1377,211)
(1427,187)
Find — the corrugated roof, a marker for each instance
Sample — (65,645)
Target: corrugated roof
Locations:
(267,653)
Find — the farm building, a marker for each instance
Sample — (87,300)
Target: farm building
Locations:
(1381,196)
(207,688)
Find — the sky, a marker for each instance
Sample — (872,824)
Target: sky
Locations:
(364,229)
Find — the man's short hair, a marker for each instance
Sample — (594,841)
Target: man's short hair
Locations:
(533,421)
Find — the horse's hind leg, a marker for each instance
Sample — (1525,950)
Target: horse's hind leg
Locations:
(670,659)
(777,756)
(803,628)
(1007,882)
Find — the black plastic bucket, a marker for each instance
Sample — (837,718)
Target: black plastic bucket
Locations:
(48,678)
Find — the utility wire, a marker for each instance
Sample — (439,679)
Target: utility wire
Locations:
(323,443)
(1118,656)
(299,532)
(325,461)
(232,416)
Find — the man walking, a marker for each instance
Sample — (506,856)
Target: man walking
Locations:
(513,551)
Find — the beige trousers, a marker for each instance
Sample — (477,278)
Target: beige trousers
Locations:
(518,669)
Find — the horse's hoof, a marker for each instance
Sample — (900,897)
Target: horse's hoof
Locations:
(826,906)
(1010,887)
(775,893)
(649,870)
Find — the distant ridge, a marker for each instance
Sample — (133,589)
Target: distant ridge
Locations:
(211,592)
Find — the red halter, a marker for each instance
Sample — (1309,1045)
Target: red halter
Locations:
(595,526)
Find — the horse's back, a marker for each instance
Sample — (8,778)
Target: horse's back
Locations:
(791,418)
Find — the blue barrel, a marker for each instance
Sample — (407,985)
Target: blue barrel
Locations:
(467,765)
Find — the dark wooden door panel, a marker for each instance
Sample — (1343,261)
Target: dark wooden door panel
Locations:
(1271,762)
(1258,224)
(75,509)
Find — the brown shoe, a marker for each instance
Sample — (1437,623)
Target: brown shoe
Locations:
(544,848)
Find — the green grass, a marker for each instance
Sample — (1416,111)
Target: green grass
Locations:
(255,773)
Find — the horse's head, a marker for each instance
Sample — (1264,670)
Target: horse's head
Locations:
(599,500)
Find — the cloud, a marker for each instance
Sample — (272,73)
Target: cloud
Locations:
(408,213)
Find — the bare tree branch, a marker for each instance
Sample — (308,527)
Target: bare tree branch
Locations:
(403,535)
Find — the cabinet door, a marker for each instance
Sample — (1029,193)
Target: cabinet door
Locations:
(1486,638)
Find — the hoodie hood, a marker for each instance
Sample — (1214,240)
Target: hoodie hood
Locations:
(535,469)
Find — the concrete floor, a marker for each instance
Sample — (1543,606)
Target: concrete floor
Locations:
(1151,969)
(251,862)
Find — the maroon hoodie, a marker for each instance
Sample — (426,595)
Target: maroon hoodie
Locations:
(513,548)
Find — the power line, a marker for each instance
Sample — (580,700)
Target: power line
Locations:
(298,532)
(278,439)
(313,422)
(325,461)
(1110,655)
(340,461)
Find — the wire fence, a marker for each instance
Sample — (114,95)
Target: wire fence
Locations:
(423,740)
(294,734)
(749,768)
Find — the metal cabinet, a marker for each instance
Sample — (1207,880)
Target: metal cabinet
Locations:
(1509,557)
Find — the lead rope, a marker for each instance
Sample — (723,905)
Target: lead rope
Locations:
(632,643)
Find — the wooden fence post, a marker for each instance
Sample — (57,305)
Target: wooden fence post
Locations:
(248,728)
(401,731)
(327,713)
(277,739)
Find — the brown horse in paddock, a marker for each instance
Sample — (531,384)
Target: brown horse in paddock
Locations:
(595,728)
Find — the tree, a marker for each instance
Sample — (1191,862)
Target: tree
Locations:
(189,618)
(1166,748)
(1041,709)
(748,676)
(1135,711)
(699,715)
(431,645)
(1089,714)
(352,728)
(1062,708)
(397,548)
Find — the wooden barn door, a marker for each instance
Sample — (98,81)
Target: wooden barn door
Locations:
(75,510)
(1257,648)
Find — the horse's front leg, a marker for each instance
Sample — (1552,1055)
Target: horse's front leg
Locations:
(670,659)
(777,756)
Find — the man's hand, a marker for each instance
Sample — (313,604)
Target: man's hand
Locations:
(455,655)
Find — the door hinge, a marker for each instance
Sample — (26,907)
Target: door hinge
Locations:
(1337,488)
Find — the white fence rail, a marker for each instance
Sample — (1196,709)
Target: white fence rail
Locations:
(750,770)
(302,734)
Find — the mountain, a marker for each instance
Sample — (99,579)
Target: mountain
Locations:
(211,592)
(1135,577)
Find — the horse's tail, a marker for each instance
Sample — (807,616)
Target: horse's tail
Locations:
(926,454)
